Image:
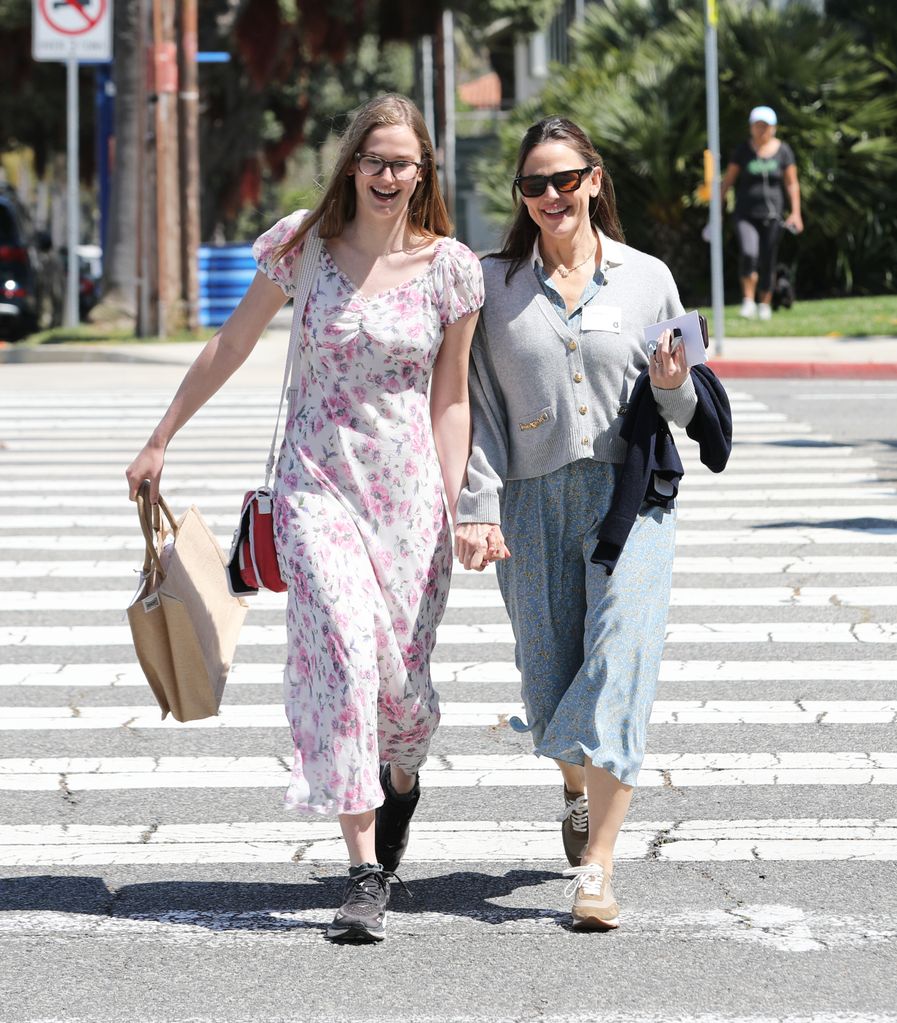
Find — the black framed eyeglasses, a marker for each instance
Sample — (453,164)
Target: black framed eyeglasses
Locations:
(402,170)
(533,185)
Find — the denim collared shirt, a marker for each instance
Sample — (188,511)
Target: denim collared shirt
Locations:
(574,318)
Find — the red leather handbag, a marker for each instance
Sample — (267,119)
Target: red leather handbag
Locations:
(252,564)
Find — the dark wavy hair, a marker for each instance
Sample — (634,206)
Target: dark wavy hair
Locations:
(522,233)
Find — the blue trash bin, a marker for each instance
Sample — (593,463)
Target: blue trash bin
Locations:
(225,272)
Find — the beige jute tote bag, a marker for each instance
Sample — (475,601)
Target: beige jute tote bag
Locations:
(184,620)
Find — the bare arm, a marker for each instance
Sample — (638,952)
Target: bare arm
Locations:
(450,406)
(729,179)
(792,187)
(214,365)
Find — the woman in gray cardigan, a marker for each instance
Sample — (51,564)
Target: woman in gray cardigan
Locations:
(556,352)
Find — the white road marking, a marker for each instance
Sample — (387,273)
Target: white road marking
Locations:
(786,565)
(465,597)
(115,676)
(804,839)
(45,493)
(461,715)
(823,491)
(677,632)
(677,770)
(865,508)
(776,926)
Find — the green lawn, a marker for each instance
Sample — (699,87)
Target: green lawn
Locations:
(88,333)
(824,317)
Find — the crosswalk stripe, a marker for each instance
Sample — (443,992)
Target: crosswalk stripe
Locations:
(471,841)
(94,492)
(768,926)
(462,715)
(465,597)
(677,770)
(740,537)
(474,635)
(115,676)
(863,508)
(29,504)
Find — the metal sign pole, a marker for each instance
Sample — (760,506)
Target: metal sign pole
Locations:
(71,293)
(716,207)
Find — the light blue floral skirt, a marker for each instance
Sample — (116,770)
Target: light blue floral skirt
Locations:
(588,644)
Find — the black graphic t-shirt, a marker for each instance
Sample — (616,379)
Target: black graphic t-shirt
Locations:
(759,191)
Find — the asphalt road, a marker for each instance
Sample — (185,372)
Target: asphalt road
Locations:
(150,874)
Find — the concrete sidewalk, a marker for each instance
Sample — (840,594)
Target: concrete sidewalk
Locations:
(832,357)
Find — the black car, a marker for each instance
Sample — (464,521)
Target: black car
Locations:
(32,278)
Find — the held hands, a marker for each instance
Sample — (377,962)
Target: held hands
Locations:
(146,466)
(666,369)
(477,544)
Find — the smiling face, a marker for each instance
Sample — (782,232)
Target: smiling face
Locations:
(382,195)
(560,214)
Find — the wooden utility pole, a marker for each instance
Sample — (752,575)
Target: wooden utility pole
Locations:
(188,138)
(168,311)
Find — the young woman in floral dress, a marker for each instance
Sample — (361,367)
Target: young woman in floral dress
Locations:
(368,463)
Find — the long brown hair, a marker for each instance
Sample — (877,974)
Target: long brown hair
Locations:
(522,233)
(426,211)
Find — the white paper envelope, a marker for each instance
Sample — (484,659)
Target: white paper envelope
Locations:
(695,352)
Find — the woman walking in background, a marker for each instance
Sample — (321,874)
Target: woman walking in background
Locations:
(364,472)
(762,170)
(557,352)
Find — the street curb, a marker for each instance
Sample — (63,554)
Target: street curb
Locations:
(55,355)
(735,368)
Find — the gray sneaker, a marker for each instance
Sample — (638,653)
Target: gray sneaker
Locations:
(575,826)
(362,916)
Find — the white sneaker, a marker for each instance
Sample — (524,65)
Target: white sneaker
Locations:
(764,311)
(748,309)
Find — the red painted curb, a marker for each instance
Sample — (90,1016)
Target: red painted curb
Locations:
(820,370)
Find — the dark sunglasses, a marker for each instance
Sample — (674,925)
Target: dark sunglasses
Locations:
(532,185)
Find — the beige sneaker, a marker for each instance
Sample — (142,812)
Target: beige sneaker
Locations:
(594,905)
(575,826)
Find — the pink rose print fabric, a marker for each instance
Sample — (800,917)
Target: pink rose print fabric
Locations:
(361,527)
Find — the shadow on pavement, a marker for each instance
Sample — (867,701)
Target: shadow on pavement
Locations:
(257,906)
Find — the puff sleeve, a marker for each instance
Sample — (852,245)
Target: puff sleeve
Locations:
(281,272)
(459,282)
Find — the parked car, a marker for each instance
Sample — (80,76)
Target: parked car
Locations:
(90,262)
(32,277)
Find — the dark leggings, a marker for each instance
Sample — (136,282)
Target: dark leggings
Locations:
(758,242)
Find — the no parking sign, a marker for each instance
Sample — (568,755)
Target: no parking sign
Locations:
(72,30)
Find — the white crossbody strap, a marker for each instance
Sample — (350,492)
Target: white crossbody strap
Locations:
(306,272)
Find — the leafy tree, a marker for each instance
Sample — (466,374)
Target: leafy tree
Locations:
(637,86)
(32,95)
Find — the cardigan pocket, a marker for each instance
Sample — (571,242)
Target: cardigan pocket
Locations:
(536,420)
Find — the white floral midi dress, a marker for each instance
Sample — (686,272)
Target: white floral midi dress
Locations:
(360,522)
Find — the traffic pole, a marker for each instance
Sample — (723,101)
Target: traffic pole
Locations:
(711,74)
(72,317)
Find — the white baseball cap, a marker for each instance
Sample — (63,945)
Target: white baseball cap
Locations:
(765,114)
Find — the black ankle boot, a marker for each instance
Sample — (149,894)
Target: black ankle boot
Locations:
(393,820)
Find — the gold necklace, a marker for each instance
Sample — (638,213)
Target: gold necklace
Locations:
(566,271)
